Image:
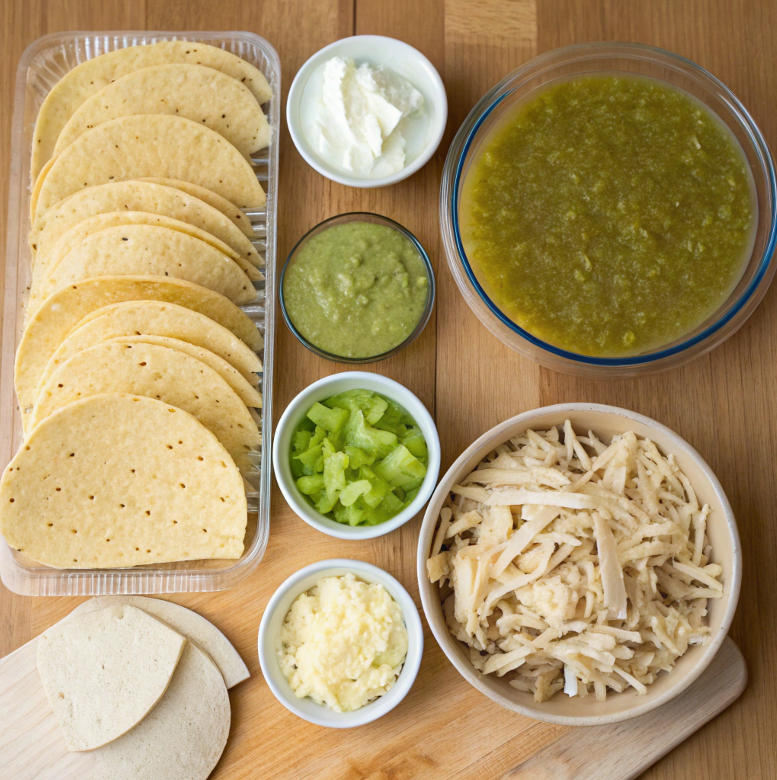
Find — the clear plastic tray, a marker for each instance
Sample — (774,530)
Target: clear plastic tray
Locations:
(43,63)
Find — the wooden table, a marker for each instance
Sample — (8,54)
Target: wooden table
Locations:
(725,404)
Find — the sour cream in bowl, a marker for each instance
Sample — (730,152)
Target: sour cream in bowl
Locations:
(367,111)
(315,630)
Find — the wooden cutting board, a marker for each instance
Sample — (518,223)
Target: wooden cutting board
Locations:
(32,747)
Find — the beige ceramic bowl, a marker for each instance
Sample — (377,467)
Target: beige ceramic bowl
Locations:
(605,421)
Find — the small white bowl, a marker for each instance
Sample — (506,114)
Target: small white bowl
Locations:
(605,421)
(326,388)
(269,643)
(423,133)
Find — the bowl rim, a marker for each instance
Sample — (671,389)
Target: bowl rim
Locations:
(492,99)
(398,393)
(415,637)
(446,641)
(439,96)
(353,216)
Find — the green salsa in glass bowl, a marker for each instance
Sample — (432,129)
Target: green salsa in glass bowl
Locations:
(609,210)
(357,288)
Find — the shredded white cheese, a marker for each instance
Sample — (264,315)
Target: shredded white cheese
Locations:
(576,566)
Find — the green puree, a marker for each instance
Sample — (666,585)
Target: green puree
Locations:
(356,289)
(608,215)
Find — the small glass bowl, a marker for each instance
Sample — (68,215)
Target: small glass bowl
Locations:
(613,58)
(341,219)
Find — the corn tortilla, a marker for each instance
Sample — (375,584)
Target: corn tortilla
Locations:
(112,467)
(61,312)
(91,76)
(138,196)
(138,249)
(153,371)
(151,319)
(192,91)
(229,210)
(133,147)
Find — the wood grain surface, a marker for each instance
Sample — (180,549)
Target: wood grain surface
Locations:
(32,746)
(724,404)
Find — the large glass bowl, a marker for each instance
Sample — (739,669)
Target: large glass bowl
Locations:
(636,59)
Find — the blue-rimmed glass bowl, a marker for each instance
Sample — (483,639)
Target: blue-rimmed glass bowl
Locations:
(613,58)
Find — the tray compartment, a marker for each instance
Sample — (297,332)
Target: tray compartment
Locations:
(43,63)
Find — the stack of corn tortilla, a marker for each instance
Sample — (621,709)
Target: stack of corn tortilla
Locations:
(137,371)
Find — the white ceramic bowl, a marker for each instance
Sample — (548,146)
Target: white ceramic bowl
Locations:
(269,643)
(605,421)
(423,133)
(325,388)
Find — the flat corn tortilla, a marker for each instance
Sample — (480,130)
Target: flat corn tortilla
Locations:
(61,312)
(229,210)
(121,480)
(105,671)
(192,91)
(155,319)
(143,197)
(136,250)
(248,394)
(37,184)
(91,76)
(185,621)
(158,372)
(47,260)
(183,737)
(133,147)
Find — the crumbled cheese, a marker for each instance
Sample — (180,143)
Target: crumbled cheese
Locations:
(343,643)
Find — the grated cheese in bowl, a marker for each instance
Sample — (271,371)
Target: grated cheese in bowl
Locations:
(573,565)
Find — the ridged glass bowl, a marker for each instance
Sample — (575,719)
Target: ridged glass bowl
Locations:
(614,58)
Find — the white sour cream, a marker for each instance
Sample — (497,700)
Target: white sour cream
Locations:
(360,115)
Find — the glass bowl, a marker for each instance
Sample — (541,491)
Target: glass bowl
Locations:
(635,59)
(341,219)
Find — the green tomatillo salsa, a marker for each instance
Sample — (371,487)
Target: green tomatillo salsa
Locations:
(608,215)
(356,289)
